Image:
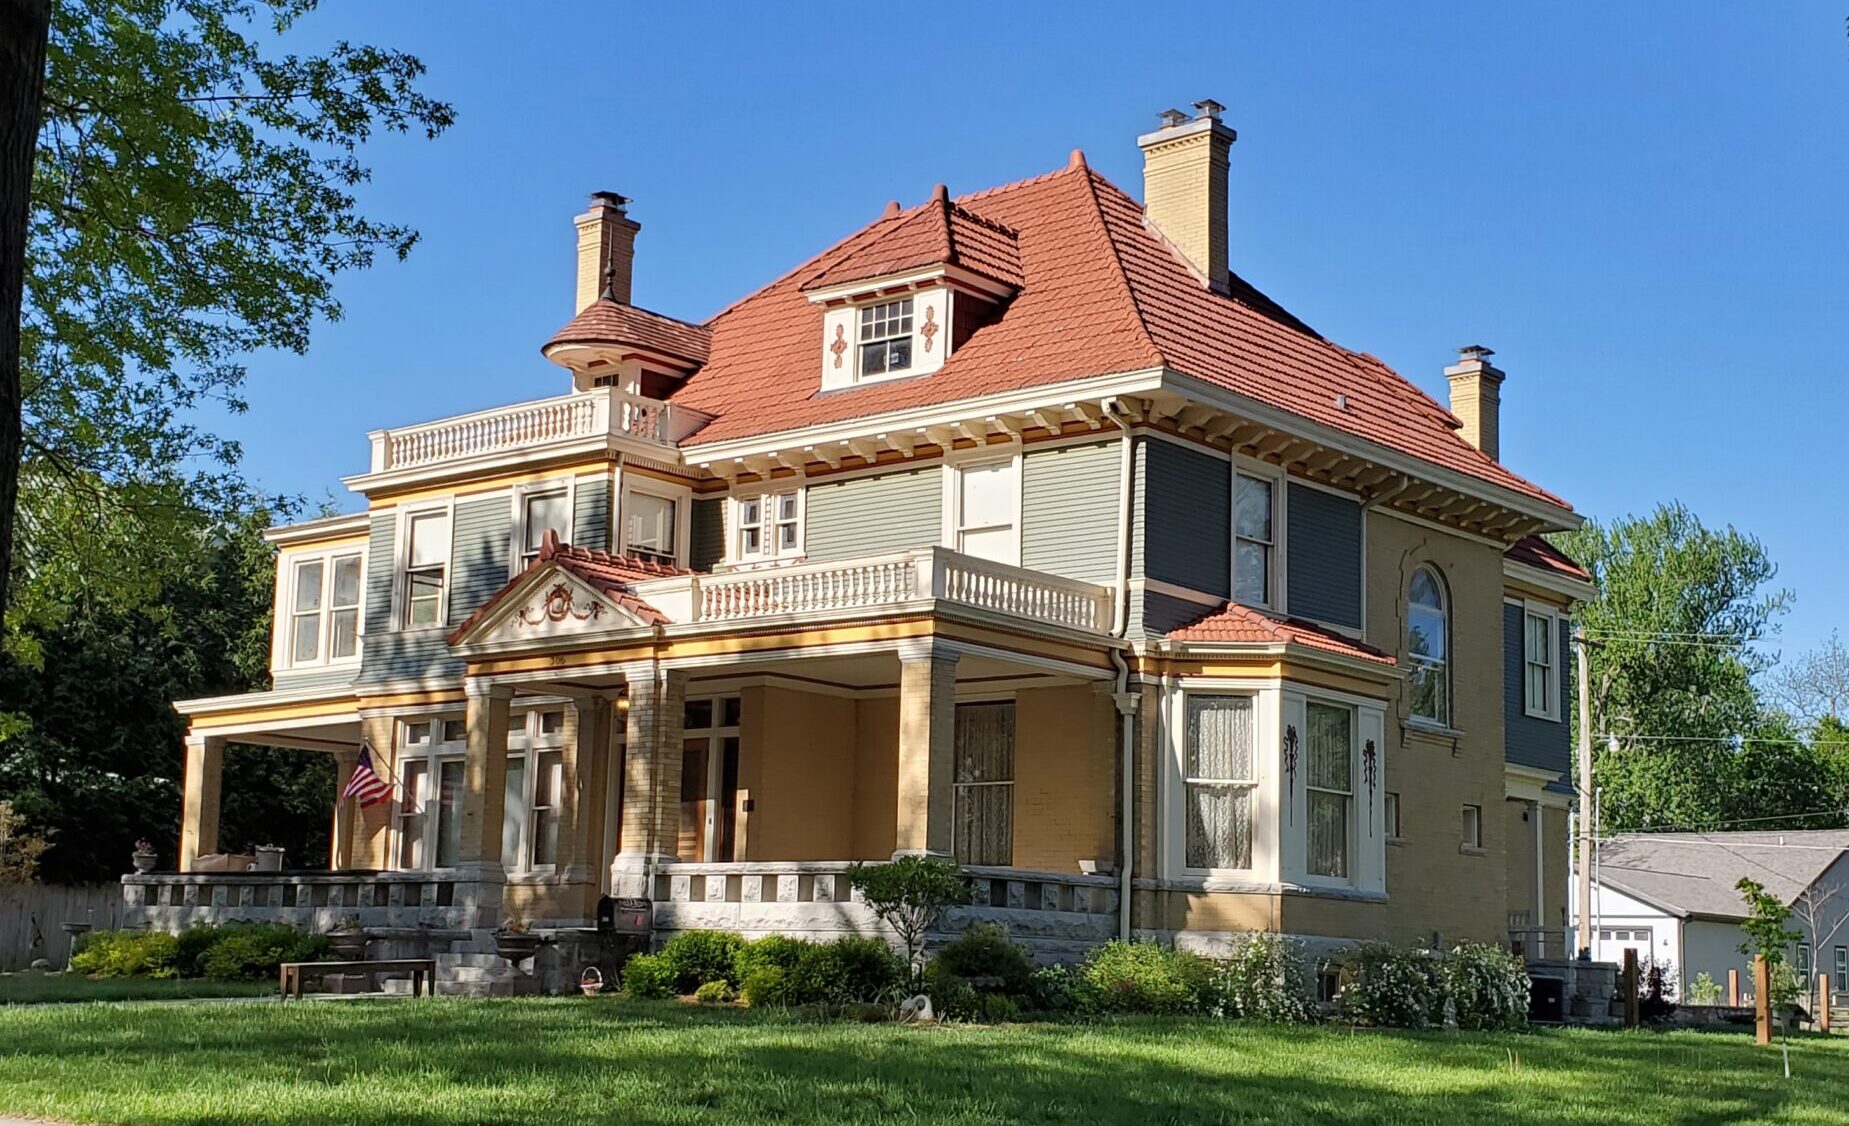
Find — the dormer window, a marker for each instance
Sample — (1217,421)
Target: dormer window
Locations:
(886,338)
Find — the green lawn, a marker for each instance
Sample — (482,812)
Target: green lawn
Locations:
(36,988)
(565,1061)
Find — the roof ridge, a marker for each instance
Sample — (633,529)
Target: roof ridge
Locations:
(1013,184)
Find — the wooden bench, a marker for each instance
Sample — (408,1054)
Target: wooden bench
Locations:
(423,973)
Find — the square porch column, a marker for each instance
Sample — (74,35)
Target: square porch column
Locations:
(340,841)
(651,815)
(205,767)
(927,750)
(584,783)
(484,790)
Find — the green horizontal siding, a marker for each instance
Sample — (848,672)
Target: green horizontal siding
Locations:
(1069,502)
(590,513)
(873,515)
(706,537)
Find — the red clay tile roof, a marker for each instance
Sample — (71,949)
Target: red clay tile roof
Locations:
(940,233)
(1101,293)
(612,574)
(1235,623)
(605,321)
(1537,552)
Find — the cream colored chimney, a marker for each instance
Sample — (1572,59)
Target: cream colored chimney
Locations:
(1184,185)
(606,246)
(1476,398)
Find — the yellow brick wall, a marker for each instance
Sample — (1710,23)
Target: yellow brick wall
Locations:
(1064,778)
(876,778)
(797,759)
(1518,858)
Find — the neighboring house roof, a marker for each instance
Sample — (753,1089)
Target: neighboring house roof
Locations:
(1234,624)
(1101,293)
(1533,551)
(607,321)
(613,575)
(1696,873)
(940,233)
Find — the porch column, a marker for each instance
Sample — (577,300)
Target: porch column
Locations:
(205,766)
(584,782)
(651,779)
(927,750)
(484,779)
(340,840)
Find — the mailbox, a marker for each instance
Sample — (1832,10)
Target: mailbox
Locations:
(625,916)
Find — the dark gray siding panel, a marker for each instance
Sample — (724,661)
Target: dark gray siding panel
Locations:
(415,655)
(1069,511)
(1183,530)
(1541,743)
(1324,556)
(1157,613)
(706,538)
(872,515)
(479,550)
(590,513)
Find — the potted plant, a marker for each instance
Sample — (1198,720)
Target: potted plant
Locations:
(348,939)
(144,856)
(515,941)
(269,859)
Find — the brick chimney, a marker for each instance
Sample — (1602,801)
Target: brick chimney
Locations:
(1184,185)
(606,249)
(1476,398)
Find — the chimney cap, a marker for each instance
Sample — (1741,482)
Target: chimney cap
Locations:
(1474,352)
(613,199)
(1172,117)
(1208,110)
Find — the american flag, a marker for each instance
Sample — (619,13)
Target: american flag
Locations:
(366,785)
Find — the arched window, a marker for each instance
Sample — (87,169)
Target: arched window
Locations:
(1428,646)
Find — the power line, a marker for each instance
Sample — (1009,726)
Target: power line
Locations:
(1734,740)
(1708,825)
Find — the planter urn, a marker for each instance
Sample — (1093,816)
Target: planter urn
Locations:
(515,947)
(143,861)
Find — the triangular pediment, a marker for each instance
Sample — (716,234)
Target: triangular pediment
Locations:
(545,605)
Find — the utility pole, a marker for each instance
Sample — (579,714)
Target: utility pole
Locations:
(1583,659)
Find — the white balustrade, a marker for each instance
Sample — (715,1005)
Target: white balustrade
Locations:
(594,414)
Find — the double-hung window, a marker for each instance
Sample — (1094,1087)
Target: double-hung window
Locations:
(1220,780)
(1804,965)
(1390,814)
(1540,661)
(426,564)
(1254,545)
(1330,788)
(534,790)
(324,617)
(430,783)
(649,530)
(886,338)
(1842,969)
(984,793)
(542,512)
(1428,632)
(769,525)
(988,503)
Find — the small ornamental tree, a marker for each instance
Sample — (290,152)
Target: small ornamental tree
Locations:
(1767,936)
(910,895)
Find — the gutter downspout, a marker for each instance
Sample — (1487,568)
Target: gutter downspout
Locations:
(1120,625)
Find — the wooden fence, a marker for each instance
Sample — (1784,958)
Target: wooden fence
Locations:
(32,918)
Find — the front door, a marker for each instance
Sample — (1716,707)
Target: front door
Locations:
(709,780)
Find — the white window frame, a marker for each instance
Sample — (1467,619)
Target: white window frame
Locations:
(285,616)
(954,526)
(1254,786)
(1549,708)
(517,560)
(432,752)
(1351,860)
(1470,829)
(767,524)
(857,325)
(1391,812)
(1841,970)
(681,499)
(1447,721)
(1279,482)
(715,734)
(401,551)
(526,742)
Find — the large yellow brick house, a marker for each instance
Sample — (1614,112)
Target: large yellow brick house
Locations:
(1015,527)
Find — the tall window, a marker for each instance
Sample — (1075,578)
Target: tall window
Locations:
(984,794)
(1428,647)
(988,503)
(1539,659)
(324,621)
(709,779)
(648,527)
(1390,814)
(1473,826)
(769,525)
(1253,544)
(534,790)
(1842,969)
(429,814)
(541,513)
(426,561)
(1330,787)
(1804,965)
(1220,781)
(886,338)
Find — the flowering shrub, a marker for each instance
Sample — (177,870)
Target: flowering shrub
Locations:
(1486,986)
(1141,977)
(1265,978)
(1389,986)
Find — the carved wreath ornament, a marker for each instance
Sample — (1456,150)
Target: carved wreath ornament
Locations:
(558,606)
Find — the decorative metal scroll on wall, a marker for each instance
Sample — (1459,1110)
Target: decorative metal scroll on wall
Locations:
(1370,772)
(1290,769)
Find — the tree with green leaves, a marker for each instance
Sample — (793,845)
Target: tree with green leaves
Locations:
(1768,936)
(1675,629)
(911,895)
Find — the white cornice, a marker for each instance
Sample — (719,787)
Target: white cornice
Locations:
(1577,590)
(315,531)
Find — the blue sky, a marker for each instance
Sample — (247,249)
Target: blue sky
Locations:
(1642,208)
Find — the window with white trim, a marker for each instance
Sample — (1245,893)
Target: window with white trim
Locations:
(1540,666)
(650,527)
(767,525)
(886,338)
(426,563)
(428,817)
(533,790)
(541,512)
(1842,969)
(1804,965)
(988,510)
(1220,779)
(324,609)
(1473,826)
(1390,814)
(1254,542)
(1329,788)
(1428,653)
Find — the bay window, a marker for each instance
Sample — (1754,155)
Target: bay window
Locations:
(1330,789)
(1220,781)
(1254,544)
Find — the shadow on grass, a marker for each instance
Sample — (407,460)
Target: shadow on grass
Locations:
(578,1061)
